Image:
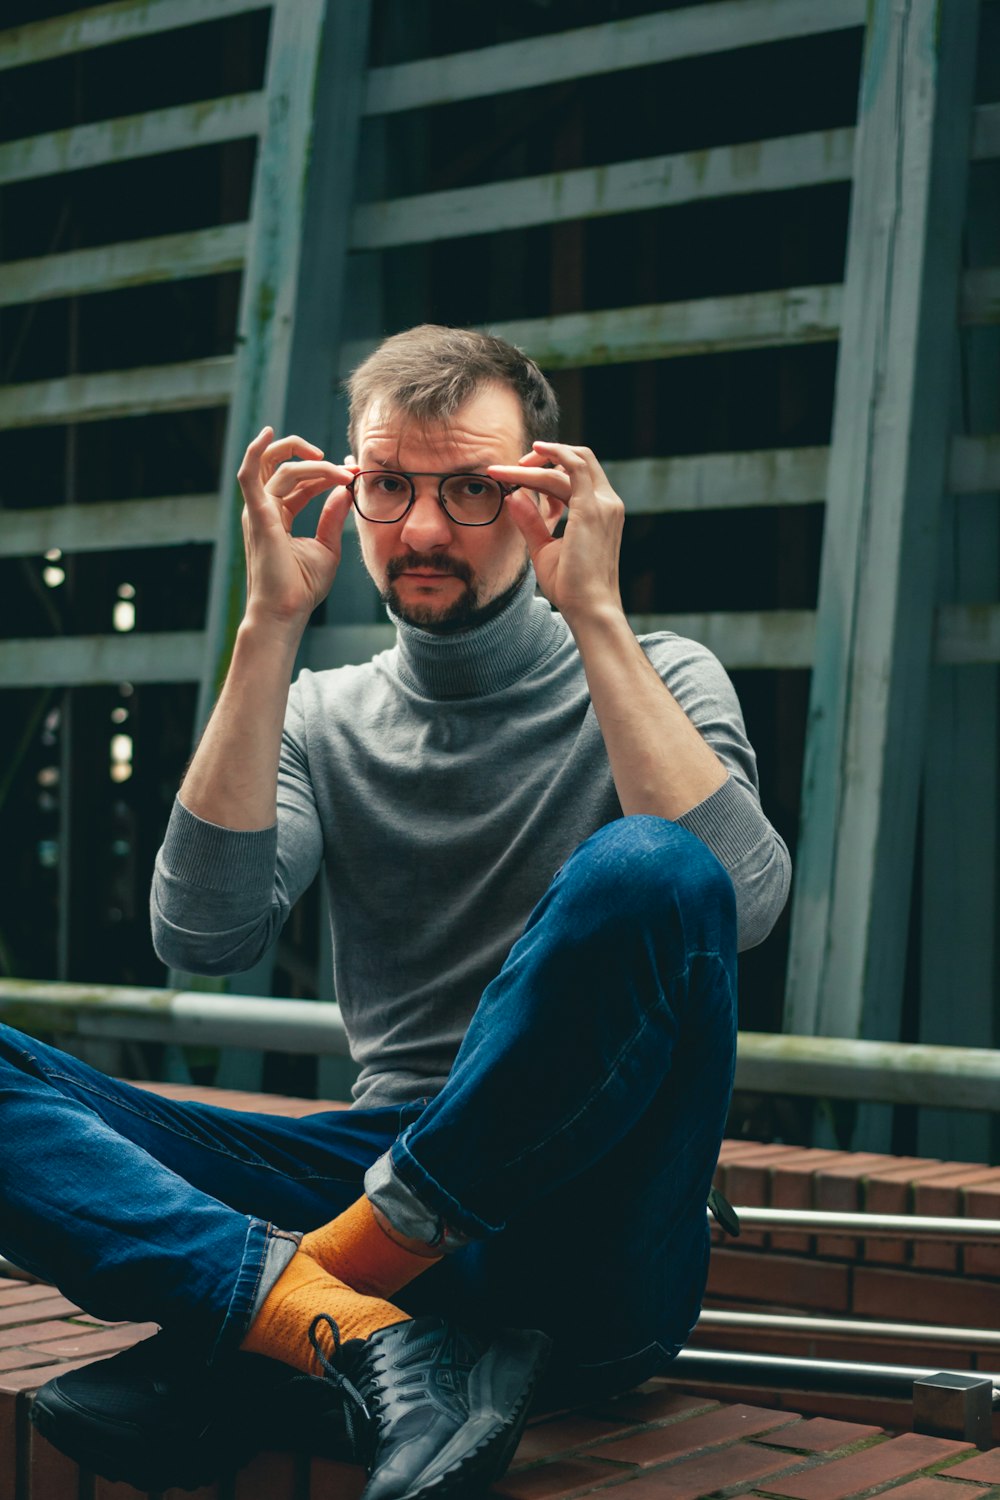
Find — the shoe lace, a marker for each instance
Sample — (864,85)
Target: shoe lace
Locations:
(357,1416)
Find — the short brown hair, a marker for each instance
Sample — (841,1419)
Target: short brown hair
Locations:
(430,371)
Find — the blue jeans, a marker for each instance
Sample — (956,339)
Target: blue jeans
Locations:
(566,1161)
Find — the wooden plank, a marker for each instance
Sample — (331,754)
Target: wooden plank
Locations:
(720,481)
(887,474)
(985,132)
(980,303)
(106,268)
(667,330)
(808,160)
(292,295)
(190,386)
(588,51)
(101,25)
(109,525)
(766,640)
(974,465)
(132,136)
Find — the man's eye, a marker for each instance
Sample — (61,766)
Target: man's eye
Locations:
(474,488)
(390,484)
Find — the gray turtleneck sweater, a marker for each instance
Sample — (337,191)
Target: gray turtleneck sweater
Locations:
(442,784)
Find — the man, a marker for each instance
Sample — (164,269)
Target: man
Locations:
(543,842)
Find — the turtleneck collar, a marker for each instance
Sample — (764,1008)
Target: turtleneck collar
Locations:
(483,659)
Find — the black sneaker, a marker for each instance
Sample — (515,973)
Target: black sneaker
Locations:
(153,1419)
(433,1410)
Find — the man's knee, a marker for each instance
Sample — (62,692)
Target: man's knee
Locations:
(646,868)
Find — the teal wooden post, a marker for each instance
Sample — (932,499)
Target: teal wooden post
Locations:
(865,736)
(293,283)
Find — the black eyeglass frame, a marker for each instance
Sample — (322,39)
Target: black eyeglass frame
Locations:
(505,490)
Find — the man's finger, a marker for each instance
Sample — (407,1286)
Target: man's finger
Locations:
(289,476)
(524,513)
(330,526)
(550,481)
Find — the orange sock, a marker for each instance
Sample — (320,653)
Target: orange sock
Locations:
(303,1291)
(355,1248)
(345,1268)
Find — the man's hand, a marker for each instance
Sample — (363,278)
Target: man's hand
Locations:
(287,576)
(577,572)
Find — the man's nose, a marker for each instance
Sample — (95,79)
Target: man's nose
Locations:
(426,524)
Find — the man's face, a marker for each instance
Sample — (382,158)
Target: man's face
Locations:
(430,570)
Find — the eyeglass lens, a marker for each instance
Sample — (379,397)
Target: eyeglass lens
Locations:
(470,499)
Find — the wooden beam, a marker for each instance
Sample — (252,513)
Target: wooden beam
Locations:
(758,640)
(587,51)
(887,474)
(132,136)
(102,25)
(823,156)
(107,268)
(667,330)
(190,386)
(720,481)
(109,525)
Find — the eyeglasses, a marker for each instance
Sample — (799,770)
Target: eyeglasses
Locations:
(383,496)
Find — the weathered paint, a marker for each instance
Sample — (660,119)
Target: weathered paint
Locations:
(207,123)
(587,51)
(887,475)
(592,192)
(191,386)
(120,21)
(168,257)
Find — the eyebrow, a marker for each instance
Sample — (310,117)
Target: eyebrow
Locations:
(475,466)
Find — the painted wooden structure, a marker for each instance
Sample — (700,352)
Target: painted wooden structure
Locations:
(891,643)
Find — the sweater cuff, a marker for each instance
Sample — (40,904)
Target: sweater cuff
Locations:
(729,821)
(219,859)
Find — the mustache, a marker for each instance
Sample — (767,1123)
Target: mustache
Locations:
(431,562)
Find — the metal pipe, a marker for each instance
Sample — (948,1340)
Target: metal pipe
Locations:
(872,1226)
(822,1067)
(186,1016)
(733,1367)
(920,1333)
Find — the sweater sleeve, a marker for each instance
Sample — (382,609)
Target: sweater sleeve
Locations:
(220,897)
(730,821)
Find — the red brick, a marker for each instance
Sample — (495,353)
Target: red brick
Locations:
(943,1198)
(15,1381)
(937,1489)
(8,1447)
(654,1403)
(820,1435)
(783,1280)
(271,1476)
(567,1476)
(52,1306)
(550,1439)
(982,1201)
(891,1192)
(17,1292)
(326,1478)
(872,1466)
(747,1181)
(28,1333)
(51,1475)
(830,1346)
(915,1297)
(839,1189)
(694,1477)
(893,1415)
(25,1359)
(655,1444)
(985,1466)
(87,1342)
(110,1489)
(793,1186)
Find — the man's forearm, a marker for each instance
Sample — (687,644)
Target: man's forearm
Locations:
(233,778)
(660,763)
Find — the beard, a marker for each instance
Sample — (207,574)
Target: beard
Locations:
(464,612)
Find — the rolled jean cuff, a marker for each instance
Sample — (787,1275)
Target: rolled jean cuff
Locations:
(266,1252)
(419,1207)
